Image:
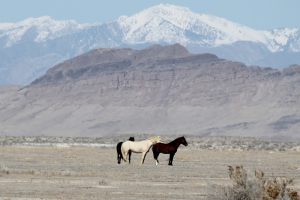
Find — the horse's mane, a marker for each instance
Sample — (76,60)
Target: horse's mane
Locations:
(154,138)
(175,141)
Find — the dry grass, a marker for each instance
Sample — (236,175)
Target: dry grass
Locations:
(256,187)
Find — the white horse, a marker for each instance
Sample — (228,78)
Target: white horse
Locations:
(139,147)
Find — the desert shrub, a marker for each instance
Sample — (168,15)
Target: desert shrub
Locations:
(4,169)
(257,187)
(103,182)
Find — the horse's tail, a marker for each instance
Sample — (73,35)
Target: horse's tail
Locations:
(119,152)
(119,147)
(123,153)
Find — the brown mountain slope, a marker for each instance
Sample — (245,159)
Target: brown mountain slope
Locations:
(159,90)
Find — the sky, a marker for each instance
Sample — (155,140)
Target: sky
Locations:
(258,14)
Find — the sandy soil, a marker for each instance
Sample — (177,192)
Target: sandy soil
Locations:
(93,173)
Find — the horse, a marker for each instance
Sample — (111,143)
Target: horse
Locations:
(138,147)
(119,152)
(170,148)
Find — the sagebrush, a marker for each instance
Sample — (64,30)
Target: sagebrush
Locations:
(255,187)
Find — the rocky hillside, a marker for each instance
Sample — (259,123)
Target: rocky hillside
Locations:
(159,90)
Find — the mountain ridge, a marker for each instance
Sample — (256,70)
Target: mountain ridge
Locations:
(155,91)
(30,47)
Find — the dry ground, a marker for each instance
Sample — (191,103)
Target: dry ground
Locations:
(43,172)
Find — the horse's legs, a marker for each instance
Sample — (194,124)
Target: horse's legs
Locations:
(129,156)
(124,154)
(157,162)
(171,158)
(119,158)
(143,157)
(155,155)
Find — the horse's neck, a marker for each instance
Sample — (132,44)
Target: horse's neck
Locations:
(176,143)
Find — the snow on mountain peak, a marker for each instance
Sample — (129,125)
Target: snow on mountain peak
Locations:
(282,36)
(175,24)
(41,28)
(152,24)
(166,22)
(32,21)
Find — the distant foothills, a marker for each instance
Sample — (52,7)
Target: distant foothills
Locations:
(156,90)
(30,47)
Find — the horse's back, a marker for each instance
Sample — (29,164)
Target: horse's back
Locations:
(158,146)
(163,148)
(136,146)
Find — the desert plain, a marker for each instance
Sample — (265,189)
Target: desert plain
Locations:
(39,169)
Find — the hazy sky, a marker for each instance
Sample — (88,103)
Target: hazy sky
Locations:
(260,14)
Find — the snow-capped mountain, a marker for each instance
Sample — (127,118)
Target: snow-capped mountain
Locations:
(38,29)
(30,47)
(169,23)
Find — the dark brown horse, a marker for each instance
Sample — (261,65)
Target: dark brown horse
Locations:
(170,148)
(119,152)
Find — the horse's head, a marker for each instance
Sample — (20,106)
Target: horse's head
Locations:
(131,139)
(183,141)
(155,139)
